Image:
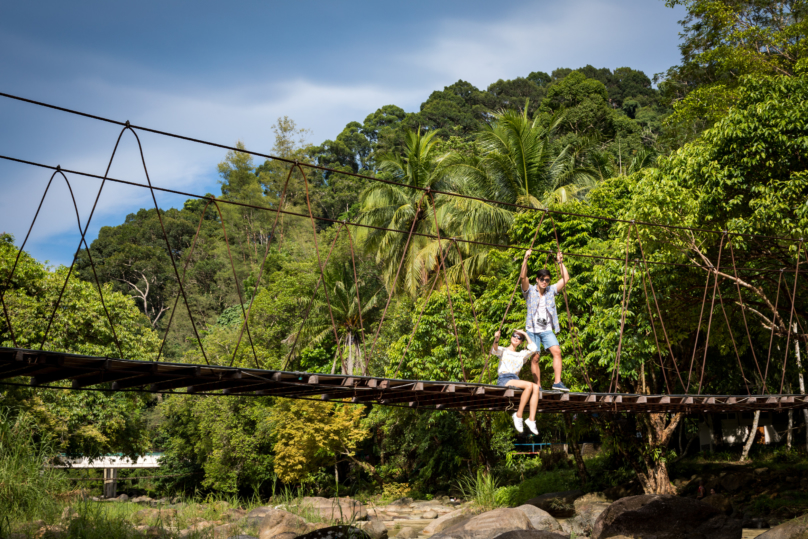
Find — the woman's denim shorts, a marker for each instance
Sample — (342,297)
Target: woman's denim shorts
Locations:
(503,379)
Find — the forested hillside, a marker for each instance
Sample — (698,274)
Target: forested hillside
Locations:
(718,143)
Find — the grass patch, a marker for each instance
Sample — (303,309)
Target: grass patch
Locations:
(481,489)
(544,482)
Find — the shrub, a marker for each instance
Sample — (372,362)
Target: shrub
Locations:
(27,487)
(481,489)
(555,481)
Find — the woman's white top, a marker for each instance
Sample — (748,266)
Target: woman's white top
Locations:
(511,362)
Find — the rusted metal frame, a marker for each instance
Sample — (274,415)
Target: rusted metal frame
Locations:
(653,327)
(732,339)
(771,335)
(83,234)
(510,301)
(168,244)
(698,330)
(184,270)
(426,397)
(89,255)
(398,271)
(710,318)
(626,300)
(574,330)
(317,251)
(791,316)
(263,262)
(446,282)
(743,314)
(238,287)
(363,349)
(415,328)
(623,307)
(311,302)
(471,300)
(658,310)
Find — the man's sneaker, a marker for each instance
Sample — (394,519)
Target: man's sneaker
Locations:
(561,387)
(531,425)
(517,422)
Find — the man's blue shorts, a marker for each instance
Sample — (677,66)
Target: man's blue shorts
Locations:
(504,378)
(545,338)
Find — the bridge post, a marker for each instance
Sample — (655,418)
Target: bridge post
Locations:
(110,482)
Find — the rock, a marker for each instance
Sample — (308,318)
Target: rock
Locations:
(402,501)
(589,498)
(336,532)
(761,471)
(255,516)
(532,534)
(632,488)
(719,502)
(340,509)
(488,525)
(584,522)
(429,515)
(733,482)
(447,521)
(665,517)
(374,528)
(234,514)
(151,531)
(51,532)
(558,504)
(123,498)
(282,525)
(407,533)
(793,529)
(242,536)
(539,519)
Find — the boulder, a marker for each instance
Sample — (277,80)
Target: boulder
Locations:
(242,536)
(282,525)
(429,515)
(589,498)
(665,517)
(123,498)
(583,523)
(257,515)
(734,482)
(539,519)
(374,528)
(407,533)
(448,520)
(488,525)
(558,504)
(632,488)
(340,509)
(719,502)
(335,532)
(793,529)
(532,534)
(402,501)
(51,532)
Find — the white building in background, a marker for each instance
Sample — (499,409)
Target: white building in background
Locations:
(734,429)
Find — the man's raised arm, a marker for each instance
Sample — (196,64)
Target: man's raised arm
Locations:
(565,275)
(523,272)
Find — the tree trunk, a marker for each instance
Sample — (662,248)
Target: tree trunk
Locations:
(350,355)
(751,438)
(790,428)
(583,475)
(655,480)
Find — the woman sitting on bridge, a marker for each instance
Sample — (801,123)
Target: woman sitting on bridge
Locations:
(511,362)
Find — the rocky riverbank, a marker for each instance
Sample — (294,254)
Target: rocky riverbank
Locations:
(559,515)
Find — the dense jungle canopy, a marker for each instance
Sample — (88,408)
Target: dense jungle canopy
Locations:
(718,142)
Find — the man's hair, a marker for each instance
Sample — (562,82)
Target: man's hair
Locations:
(544,272)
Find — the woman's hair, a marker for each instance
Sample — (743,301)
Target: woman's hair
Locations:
(544,272)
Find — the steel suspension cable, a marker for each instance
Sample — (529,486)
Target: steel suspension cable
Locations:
(471,300)
(771,336)
(623,307)
(743,310)
(698,331)
(732,339)
(573,328)
(791,316)
(710,318)
(627,299)
(270,238)
(358,303)
(653,327)
(658,310)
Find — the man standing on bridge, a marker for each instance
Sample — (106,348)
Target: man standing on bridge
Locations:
(542,317)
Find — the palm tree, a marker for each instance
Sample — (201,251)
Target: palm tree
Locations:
(518,164)
(402,208)
(348,319)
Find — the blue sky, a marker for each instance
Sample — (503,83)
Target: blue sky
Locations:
(225,72)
